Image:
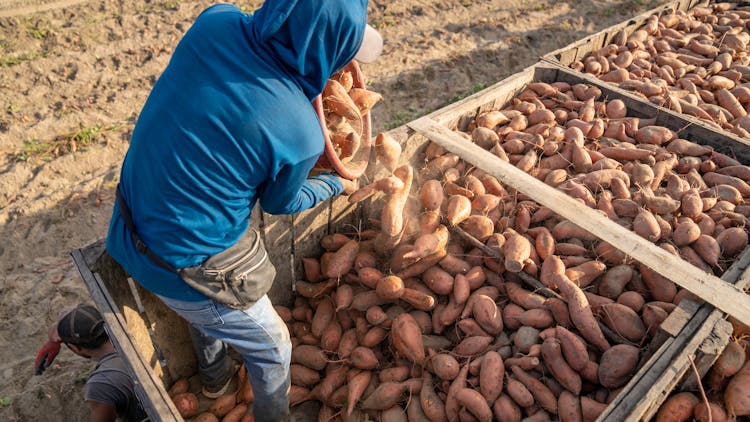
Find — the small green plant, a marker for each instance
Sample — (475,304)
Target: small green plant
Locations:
(399,119)
(474,89)
(36,29)
(171,4)
(5,401)
(9,61)
(62,144)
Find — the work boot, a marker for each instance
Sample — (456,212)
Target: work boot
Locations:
(220,386)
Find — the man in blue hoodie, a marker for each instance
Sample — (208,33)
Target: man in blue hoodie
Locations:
(229,123)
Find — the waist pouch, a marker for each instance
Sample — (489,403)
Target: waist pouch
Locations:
(236,277)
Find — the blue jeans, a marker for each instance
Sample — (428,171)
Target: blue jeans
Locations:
(259,335)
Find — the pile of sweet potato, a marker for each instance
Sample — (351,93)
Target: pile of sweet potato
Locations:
(692,62)
(468,301)
(234,406)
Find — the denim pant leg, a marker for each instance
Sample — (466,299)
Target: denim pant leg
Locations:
(261,337)
(214,363)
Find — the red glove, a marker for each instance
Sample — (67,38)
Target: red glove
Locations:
(45,356)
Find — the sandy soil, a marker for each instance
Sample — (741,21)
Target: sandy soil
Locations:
(74,75)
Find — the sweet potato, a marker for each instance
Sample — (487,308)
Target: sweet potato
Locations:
(737,395)
(457,209)
(506,410)
(542,394)
(662,289)
(178,387)
(387,150)
(713,412)
(519,393)
(186,404)
(617,365)
(591,409)
(475,403)
(516,250)
(302,376)
(678,407)
(559,367)
(390,287)
(309,356)
(236,414)
(614,280)
(522,297)
(487,315)
(443,365)
(386,395)
(708,248)
(432,405)
(582,275)
(569,407)
(394,414)
(357,385)
(580,312)
(732,241)
(623,321)
(491,376)
(342,260)
(407,338)
(472,346)
(206,417)
(478,226)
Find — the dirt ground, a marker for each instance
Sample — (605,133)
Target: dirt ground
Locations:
(74,75)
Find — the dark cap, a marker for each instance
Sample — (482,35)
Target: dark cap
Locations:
(83,326)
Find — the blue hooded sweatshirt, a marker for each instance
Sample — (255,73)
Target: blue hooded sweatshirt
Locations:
(229,123)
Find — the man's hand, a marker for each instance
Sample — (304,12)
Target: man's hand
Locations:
(350,186)
(45,356)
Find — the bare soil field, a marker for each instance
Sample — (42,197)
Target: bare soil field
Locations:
(74,75)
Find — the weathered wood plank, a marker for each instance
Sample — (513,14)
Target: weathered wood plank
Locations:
(706,286)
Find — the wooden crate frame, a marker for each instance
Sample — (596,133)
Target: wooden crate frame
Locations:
(692,330)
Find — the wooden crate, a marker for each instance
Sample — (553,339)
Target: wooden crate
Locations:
(693,331)
(159,355)
(154,341)
(581,48)
(578,50)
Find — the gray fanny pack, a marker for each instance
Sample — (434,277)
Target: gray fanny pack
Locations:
(236,277)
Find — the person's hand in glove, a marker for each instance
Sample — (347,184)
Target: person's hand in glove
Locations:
(48,351)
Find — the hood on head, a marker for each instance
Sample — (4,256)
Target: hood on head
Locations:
(314,38)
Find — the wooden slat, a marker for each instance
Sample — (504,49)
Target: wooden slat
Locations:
(148,388)
(706,286)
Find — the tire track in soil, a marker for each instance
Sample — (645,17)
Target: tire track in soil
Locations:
(10,8)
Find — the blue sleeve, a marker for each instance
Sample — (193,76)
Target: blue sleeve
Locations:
(293,191)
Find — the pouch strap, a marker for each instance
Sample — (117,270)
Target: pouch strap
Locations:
(140,245)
